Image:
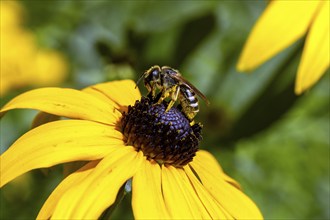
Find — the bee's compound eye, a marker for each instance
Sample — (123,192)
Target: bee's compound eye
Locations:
(155,73)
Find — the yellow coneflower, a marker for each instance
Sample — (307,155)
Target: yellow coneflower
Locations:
(283,23)
(125,138)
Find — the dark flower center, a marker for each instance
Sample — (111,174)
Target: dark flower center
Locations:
(167,138)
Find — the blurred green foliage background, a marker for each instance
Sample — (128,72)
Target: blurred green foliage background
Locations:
(276,144)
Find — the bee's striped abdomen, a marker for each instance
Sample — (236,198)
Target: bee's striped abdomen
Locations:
(189,101)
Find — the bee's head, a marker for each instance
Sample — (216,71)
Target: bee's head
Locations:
(152,75)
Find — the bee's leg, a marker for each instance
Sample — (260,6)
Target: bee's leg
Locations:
(170,104)
(158,96)
(151,91)
(165,93)
(161,98)
(148,87)
(173,98)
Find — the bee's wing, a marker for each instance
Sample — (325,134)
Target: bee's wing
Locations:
(139,80)
(184,81)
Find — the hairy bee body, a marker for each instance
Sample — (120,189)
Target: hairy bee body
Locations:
(171,84)
(188,101)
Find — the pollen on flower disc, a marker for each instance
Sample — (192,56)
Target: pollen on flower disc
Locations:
(166,137)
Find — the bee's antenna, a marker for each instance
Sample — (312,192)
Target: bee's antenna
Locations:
(139,80)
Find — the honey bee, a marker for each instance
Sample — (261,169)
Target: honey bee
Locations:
(171,84)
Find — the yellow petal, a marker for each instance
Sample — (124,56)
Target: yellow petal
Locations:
(315,58)
(122,92)
(200,211)
(70,181)
(213,207)
(180,199)
(148,202)
(65,102)
(235,202)
(116,108)
(209,161)
(281,24)
(58,142)
(98,190)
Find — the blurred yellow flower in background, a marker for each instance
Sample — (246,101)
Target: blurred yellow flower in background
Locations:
(23,63)
(283,23)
